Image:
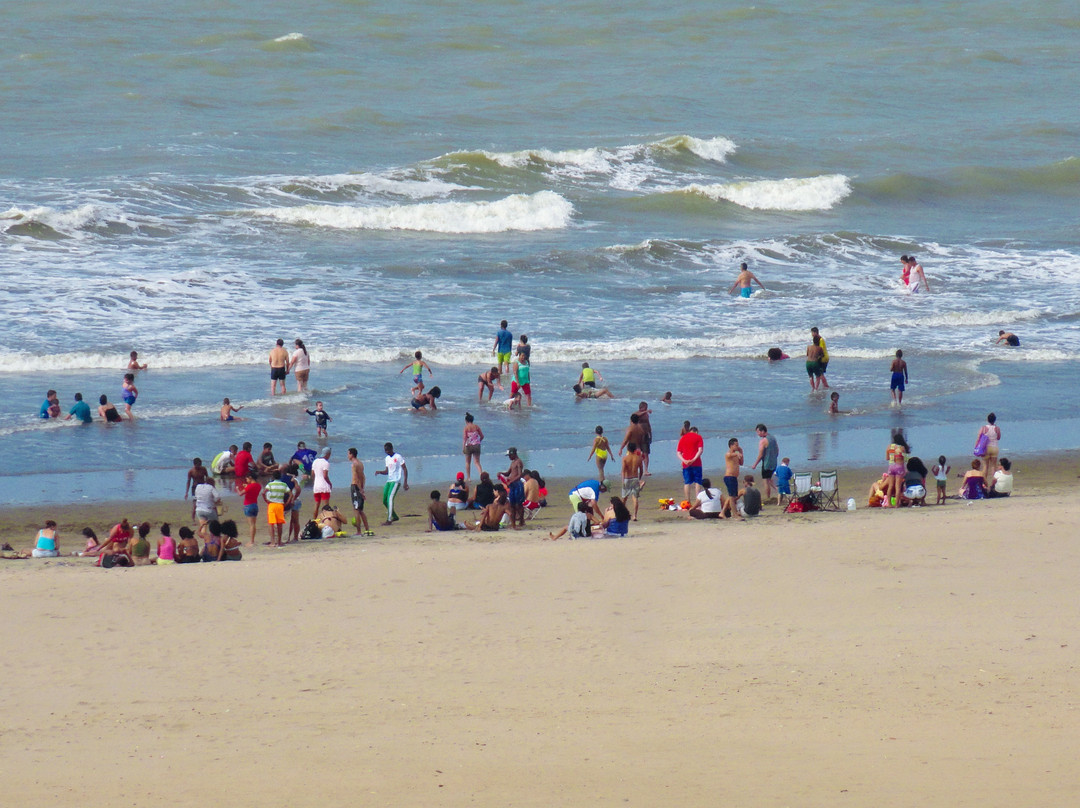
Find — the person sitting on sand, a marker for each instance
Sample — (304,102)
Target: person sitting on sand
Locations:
(457,498)
(532,490)
(47,544)
(580,526)
(1009,338)
(166,546)
(492,515)
(616,521)
(213,545)
(582,393)
(879,489)
(93,546)
(230,542)
(749,498)
(139,546)
(116,545)
(1002,484)
(332,521)
(484,494)
(187,549)
(439,515)
(974,485)
(710,503)
(421,399)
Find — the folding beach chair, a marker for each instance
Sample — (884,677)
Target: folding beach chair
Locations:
(828,491)
(800,484)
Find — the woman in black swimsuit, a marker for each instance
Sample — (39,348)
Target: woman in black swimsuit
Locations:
(108,411)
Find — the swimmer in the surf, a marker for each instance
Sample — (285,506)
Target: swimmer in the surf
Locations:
(834,405)
(775,355)
(133,362)
(417,366)
(667,398)
(421,400)
(744,281)
(1008,338)
(581,393)
(905,269)
(227,410)
(917,278)
(108,411)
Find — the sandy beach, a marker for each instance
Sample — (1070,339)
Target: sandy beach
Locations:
(913,657)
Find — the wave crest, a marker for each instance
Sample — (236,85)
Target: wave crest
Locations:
(545,210)
(796,194)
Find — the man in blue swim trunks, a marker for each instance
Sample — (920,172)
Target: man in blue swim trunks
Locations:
(504,342)
(743,282)
(514,481)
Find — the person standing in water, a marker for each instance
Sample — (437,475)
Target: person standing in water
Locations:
(899,378)
(300,363)
(744,281)
(279,367)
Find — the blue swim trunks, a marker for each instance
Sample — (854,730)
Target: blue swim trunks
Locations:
(691,475)
(746,291)
(516,492)
(897,382)
(732,484)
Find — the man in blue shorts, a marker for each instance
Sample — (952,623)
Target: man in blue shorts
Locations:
(689,450)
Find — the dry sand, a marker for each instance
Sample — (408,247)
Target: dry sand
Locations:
(876,658)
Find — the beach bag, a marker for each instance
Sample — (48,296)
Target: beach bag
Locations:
(981,444)
(795,506)
(311,532)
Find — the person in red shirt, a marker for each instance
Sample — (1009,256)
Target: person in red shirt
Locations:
(243,463)
(690,447)
(250,492)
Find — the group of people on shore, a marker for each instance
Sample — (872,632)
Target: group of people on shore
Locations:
(905,480)
(130,546)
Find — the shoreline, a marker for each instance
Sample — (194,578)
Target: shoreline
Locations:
(18,522)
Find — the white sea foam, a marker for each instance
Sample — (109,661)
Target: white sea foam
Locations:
(373,183)
(544,210)
(67,222)
(795,194)
(717,149)
(293,37)
(584,160)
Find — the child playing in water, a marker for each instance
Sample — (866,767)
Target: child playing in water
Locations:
(600,448)
(227,410)
(129,392)
(588,376)
(514,402)
(941,475)
(321,418)
(417,365)
(834,405)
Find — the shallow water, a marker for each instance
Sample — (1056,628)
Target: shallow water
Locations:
(196,180)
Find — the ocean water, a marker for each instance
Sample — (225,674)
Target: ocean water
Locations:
(196,179)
